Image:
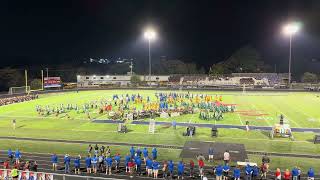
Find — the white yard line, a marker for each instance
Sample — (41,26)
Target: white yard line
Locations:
(233,102)
(263,116)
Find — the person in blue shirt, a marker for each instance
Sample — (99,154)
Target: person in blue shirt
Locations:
(66,163)
(10,155)
(138,164)
(155,168)
(77,165)
(149,166)
(108,162)
(171,168)
(117,160)
(295,173)
(132,151)
(145,154)
(226,169)
(94,161)
(154,153)
(88,164)
(138,152)
(255,172)
(180,170)
(210,152)
(218,171)
(236,173)
(248,172)
(54,160)
(127,160)
(174,124)
(310,174)
(17,155)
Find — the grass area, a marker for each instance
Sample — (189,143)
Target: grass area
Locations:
(259,108)
(288,163)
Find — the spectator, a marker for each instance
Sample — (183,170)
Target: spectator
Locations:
(132,151)
(138,152)
(226,169)
(108,162)
(102,148)
(66,164)
(210,152)
(77,165)
(201,165)
(226,157)
(236,173)
(165,169)
(149,167)
(94,162)
(10,155)
(88,164)
(287,175)
(96,149)
(108,151)
(117,160)
(14,173)
(248,171)
(278,174)
(264,169)
(171,168)
(6,164)
(145,154)
(138,165)
(90,149)
(218,171)
(191,168)
(17,156)
(265,159)
(155,168)
(100,162)
(255,172)
(310,174)
(35,166)
(154,153)
(131,167)
(295,173)
(180,170)
(54,160)
(127,160)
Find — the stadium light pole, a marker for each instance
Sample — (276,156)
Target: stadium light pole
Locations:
(150,35)
(290,30)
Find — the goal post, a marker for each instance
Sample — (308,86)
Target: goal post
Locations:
(19,90)
(244,89)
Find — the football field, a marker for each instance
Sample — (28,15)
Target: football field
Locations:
(300,110)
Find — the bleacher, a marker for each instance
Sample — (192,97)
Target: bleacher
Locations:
(272,80)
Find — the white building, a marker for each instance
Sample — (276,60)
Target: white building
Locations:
(120,80)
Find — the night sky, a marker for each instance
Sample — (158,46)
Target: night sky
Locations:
(200,31)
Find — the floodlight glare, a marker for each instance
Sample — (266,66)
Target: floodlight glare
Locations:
(150,34)
(291,29)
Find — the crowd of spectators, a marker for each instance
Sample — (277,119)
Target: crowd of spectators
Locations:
(17,99)
(14,162)
(139,161)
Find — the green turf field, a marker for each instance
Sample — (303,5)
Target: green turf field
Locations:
(259,108)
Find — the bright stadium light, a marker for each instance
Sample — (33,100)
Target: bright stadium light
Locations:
(290,30)
(150,34)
